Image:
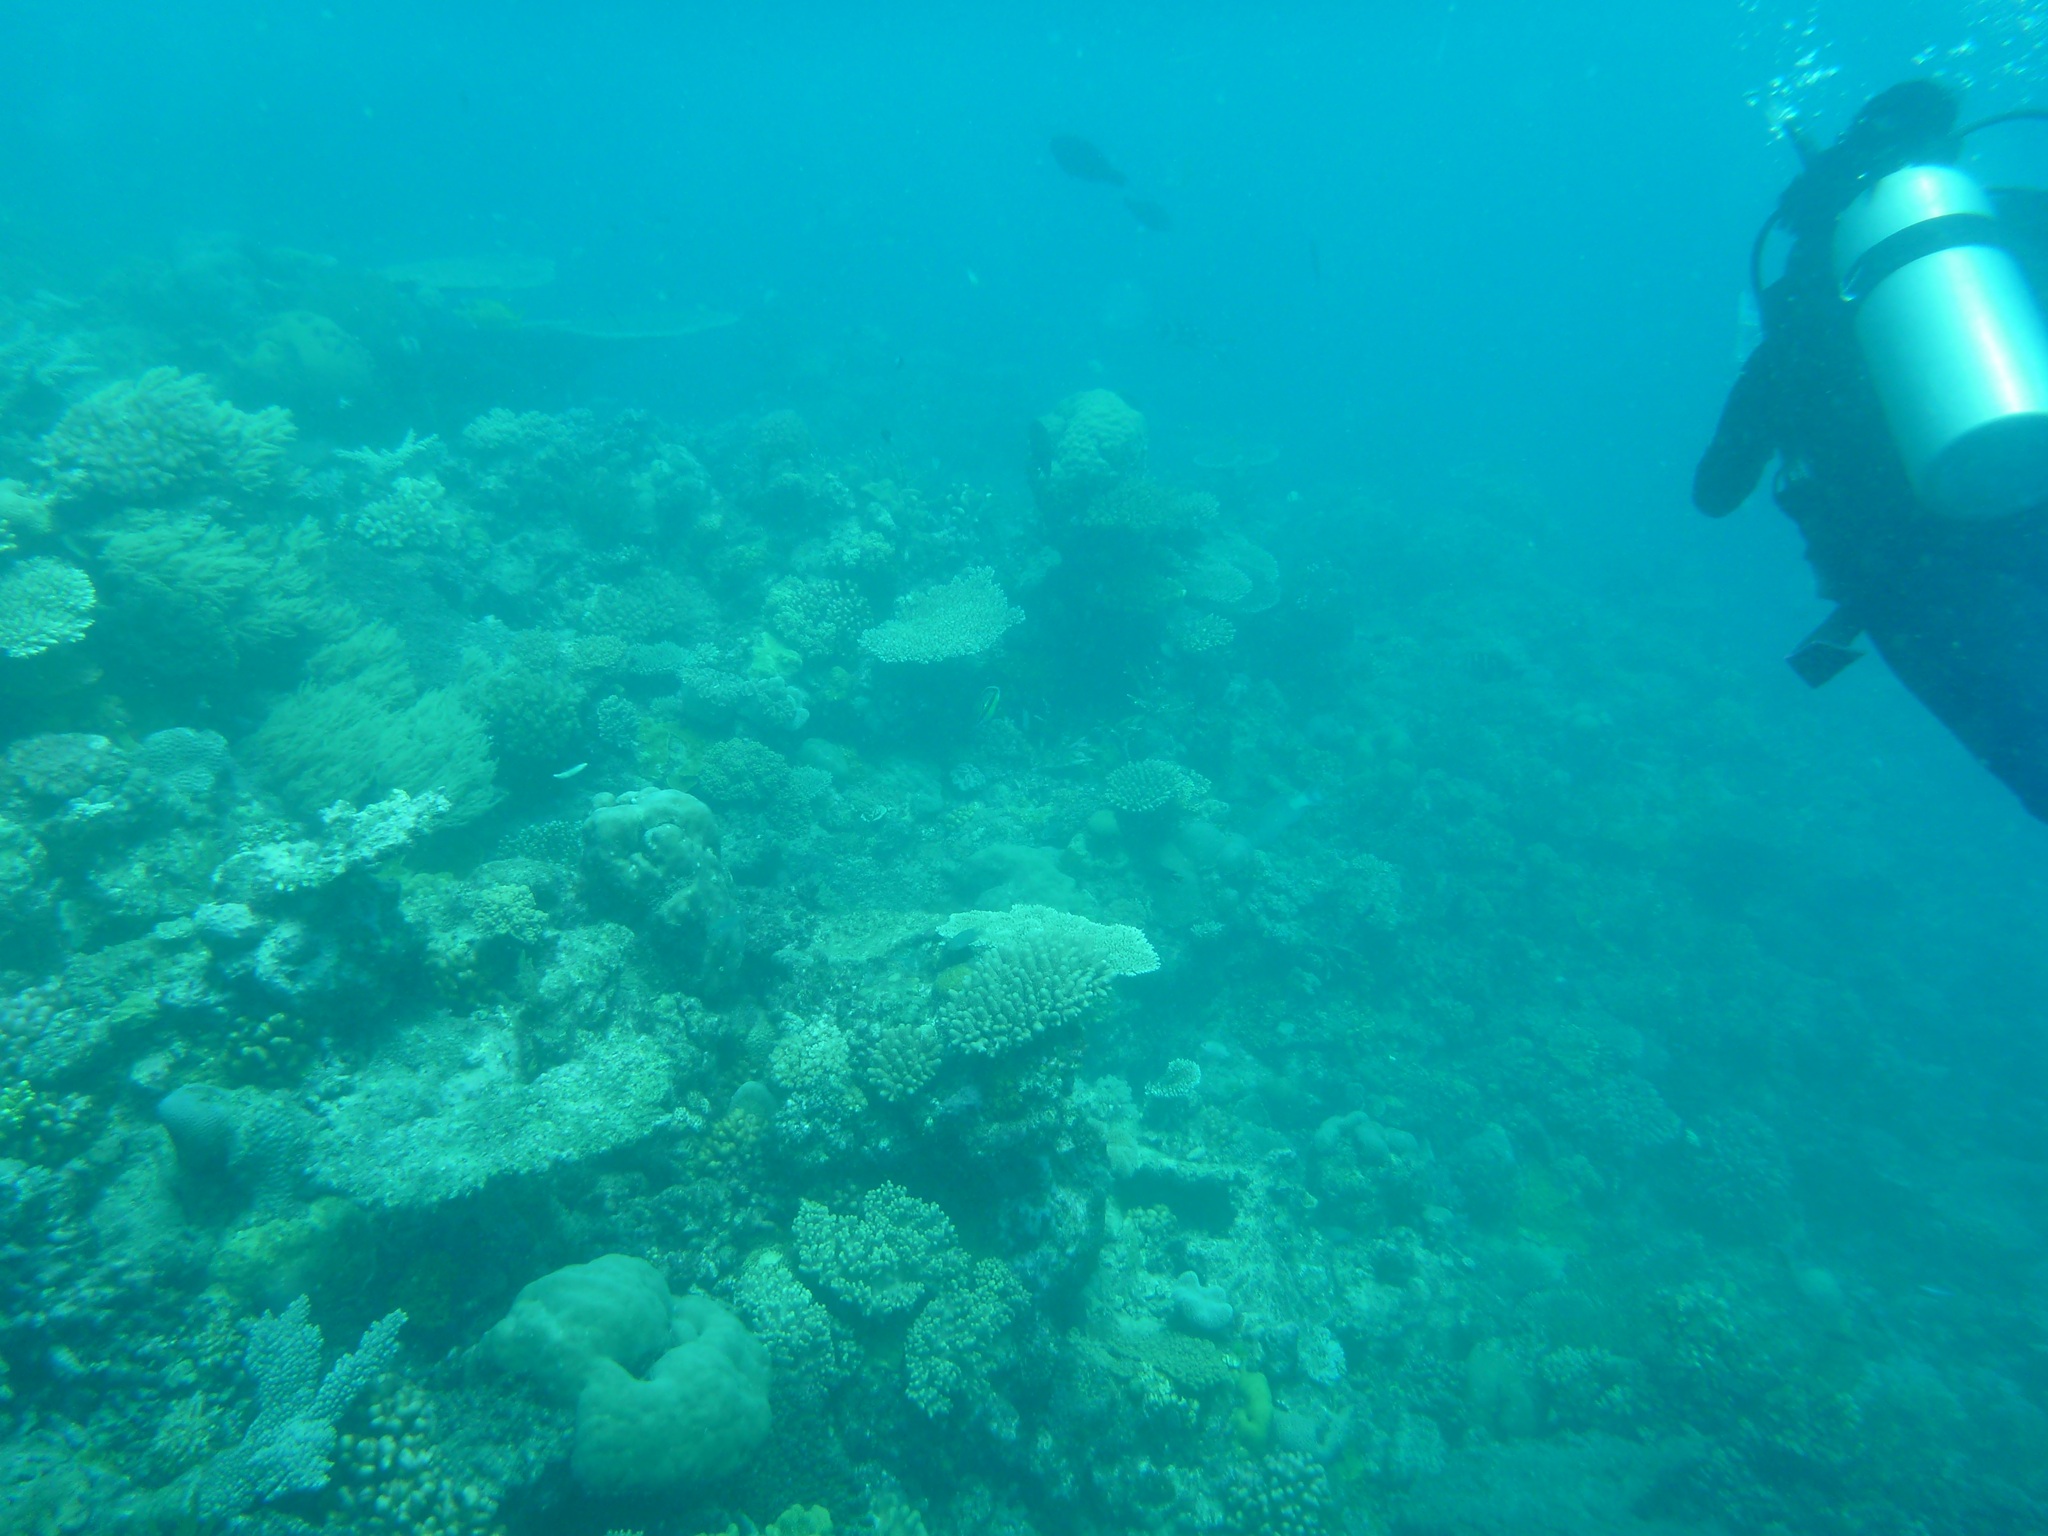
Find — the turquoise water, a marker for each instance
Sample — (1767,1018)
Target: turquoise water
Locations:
(935,773)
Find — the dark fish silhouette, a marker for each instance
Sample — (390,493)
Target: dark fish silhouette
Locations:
(1149,213)
(1083,161)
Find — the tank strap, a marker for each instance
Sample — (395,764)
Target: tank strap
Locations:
(1913,242)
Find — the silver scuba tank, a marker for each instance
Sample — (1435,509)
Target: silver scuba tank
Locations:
(1953,338)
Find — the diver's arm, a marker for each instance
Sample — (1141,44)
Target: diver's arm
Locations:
(1744,441)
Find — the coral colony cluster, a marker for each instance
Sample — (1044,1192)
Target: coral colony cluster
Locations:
(564,971)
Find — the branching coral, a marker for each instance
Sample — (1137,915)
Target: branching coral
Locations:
(1036,968)
(359,728)
(960,1342)
(165,435)
(187,594)
(1143,505)
(289,1447)
(962,617)
(791,1324)
(44,603)
(816,614)
(1152,783)
(884,1259)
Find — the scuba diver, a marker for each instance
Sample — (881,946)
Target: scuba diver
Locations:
(1902,386)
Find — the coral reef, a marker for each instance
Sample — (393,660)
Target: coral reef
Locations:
(1341,1023)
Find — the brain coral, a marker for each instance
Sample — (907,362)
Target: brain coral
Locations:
(165,434)
(961,617)
(585,1332)
(1036,968)
(700,1410)
(44,603)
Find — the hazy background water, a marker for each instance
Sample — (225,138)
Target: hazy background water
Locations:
(1407,239)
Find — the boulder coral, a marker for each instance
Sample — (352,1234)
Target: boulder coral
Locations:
(670,1391)
(1084,448)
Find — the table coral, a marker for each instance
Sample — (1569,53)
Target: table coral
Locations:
(1034,969)
(961,617)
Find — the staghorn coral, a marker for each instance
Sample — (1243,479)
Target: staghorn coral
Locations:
(289,1447)
(1035,969)
(1151,784)
(961,617)
(884,1259)
(163,436)
(44,603)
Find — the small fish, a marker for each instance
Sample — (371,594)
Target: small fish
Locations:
(570,773)
(1149,214)
(991,701)
(1083,161)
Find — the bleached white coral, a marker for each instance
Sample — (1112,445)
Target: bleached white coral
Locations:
(44,603)
(961,617)
(163,434)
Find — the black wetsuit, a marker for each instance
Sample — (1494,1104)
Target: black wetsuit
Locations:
(1958,609)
